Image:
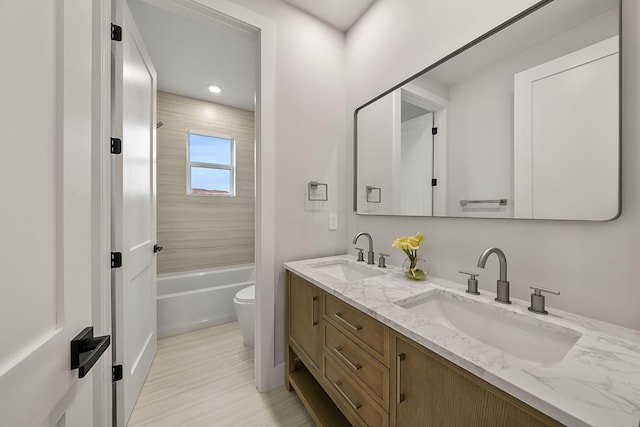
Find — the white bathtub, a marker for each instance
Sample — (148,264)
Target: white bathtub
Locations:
(198,299)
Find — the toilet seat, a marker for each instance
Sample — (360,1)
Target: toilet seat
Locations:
(246,295)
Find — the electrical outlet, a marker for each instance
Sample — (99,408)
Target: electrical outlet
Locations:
(333,221)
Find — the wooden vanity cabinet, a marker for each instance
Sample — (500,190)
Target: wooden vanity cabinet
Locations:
(305,329)
(431,391)
(356,363)
(350,369)
(367,331)
(304,352)
(337,358)
(351,397)
(371,373)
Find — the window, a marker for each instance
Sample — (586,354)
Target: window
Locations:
(211,165)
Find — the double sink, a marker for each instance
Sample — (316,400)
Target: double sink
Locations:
(509,329)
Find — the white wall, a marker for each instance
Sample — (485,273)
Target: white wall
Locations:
(592,264)
(310,135)
(480,140)
(378,133)
(480,143)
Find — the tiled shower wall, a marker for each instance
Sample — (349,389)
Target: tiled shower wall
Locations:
(203,231)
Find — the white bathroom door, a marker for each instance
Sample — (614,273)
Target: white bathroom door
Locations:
(566,141)
(416,169)
(134,213)
(45,220)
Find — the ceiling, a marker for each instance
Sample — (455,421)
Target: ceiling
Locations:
(192,49)
(556,18)
(341,14)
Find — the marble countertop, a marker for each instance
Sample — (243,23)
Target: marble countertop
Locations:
(596,383)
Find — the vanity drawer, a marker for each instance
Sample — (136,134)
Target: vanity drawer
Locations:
(355,323)
(352,398)
(353,358)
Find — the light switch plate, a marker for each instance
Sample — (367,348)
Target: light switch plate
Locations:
(333,221)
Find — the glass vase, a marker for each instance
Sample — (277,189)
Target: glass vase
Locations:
(415,271)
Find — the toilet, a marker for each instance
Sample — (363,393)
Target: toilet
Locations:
(245,306)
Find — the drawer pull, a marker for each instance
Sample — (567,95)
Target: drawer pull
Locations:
(355,405)
(354,366)
(346,322)
(399,394)
(314,321)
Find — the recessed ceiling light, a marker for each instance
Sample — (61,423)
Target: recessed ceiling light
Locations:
(214,89)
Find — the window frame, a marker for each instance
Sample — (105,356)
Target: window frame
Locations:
(218,166)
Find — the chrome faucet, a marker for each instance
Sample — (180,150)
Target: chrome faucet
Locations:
(503,284)
(370,254)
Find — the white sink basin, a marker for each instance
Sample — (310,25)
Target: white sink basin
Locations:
(516,334)
(346,271)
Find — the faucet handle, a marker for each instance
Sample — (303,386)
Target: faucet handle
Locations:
(537,290)
(537,299)
(471,275)
(360,254)
(382,262)
(472,282)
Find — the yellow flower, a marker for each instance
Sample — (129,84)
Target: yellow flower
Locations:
(409,244)
(400,242)
(414,241)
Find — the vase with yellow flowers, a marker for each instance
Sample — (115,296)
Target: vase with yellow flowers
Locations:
(414,267)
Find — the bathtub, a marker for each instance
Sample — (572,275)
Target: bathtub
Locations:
(198,299)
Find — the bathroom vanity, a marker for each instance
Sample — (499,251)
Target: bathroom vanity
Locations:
(368,347)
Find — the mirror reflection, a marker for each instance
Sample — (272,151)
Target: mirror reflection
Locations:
(523,124)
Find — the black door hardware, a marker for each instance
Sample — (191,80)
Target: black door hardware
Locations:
(116,146)
(116,373)
(157,249)
(116,259)
(86,350)
(116,33)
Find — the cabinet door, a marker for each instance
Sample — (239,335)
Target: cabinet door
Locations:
(304,319)
(431,391)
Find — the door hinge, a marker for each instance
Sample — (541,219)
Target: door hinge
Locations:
(434,182)
(116,33)
(116,146)
(116,373)
(434,131)
(116,259)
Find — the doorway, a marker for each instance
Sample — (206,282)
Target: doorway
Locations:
(267,375)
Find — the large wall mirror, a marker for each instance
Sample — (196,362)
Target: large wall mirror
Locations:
(521,123)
